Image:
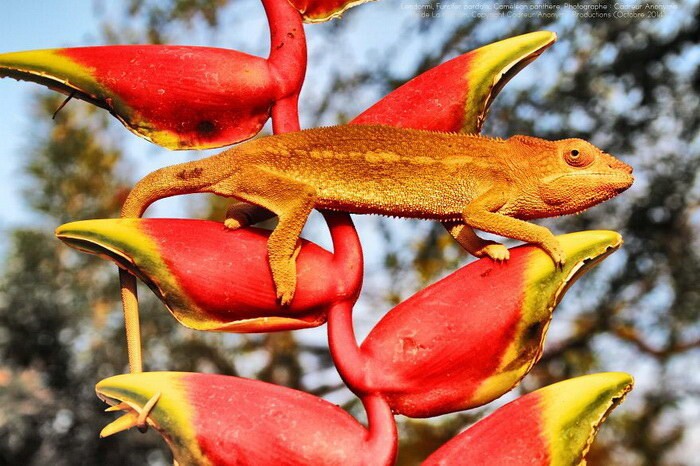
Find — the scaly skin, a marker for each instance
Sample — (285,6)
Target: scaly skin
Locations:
(464,181)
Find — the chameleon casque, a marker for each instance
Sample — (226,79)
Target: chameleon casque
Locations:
(464,181)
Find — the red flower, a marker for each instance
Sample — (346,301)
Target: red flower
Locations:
(456,95)
(468,338)
(209,419)
(181,97)
(218,279)
(553,426)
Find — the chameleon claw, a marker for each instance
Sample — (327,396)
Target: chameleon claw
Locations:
(558,259)
(285,291)
(141,423)
(560,264)
(285,298)
(286,279)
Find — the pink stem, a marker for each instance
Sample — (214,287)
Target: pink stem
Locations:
(347,253)
(345,352)
(287,47)
(383,437)
(285,115)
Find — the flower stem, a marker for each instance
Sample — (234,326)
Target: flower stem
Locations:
(130,304)
(343,346)
(383,437)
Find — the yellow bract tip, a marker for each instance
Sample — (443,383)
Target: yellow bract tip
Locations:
(127,421)
(573,410)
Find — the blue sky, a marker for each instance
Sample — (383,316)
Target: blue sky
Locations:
(25,25)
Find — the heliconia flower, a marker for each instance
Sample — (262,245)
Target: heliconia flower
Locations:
(470,337)
(456,95)
(316,11)
(553,426)
(212,278)
(180,97)
(209,419)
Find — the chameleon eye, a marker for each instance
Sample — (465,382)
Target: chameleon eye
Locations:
(576,158)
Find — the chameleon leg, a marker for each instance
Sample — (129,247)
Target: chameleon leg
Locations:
(473,244)
(292,201)
(482,213)
(242,214)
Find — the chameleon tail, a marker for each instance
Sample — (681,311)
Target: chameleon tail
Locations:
(130,305)
(166,182)
(184,178)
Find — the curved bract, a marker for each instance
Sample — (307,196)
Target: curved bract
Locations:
(209,419)
(175,96)
(472,336)
(456,95)
(553,426)
(181,97)
(212,278)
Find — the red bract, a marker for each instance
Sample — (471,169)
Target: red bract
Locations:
(468,338)
(218,279)
(181,97)
(456,95)
(210,419)
(553,426)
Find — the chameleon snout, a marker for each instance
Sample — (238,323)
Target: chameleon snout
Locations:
(616,164)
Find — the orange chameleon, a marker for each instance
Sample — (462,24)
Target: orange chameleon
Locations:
(464,181)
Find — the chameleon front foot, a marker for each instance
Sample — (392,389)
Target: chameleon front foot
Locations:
(495,251)
(555,251)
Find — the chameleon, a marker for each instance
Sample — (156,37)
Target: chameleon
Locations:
(465,181)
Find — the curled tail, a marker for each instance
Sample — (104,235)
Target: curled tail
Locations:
(184,178)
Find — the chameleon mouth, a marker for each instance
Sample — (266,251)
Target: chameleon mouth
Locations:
(621,179)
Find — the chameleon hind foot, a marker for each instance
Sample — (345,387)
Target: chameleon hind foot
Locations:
(242,214)
(239,215)
(234,224)
(285,278)
(495,251)
(284,275)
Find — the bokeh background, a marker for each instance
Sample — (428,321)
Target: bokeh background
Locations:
(630,84)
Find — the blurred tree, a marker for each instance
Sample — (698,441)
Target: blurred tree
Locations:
(56,333)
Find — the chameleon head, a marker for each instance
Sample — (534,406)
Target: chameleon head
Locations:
(578,175)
